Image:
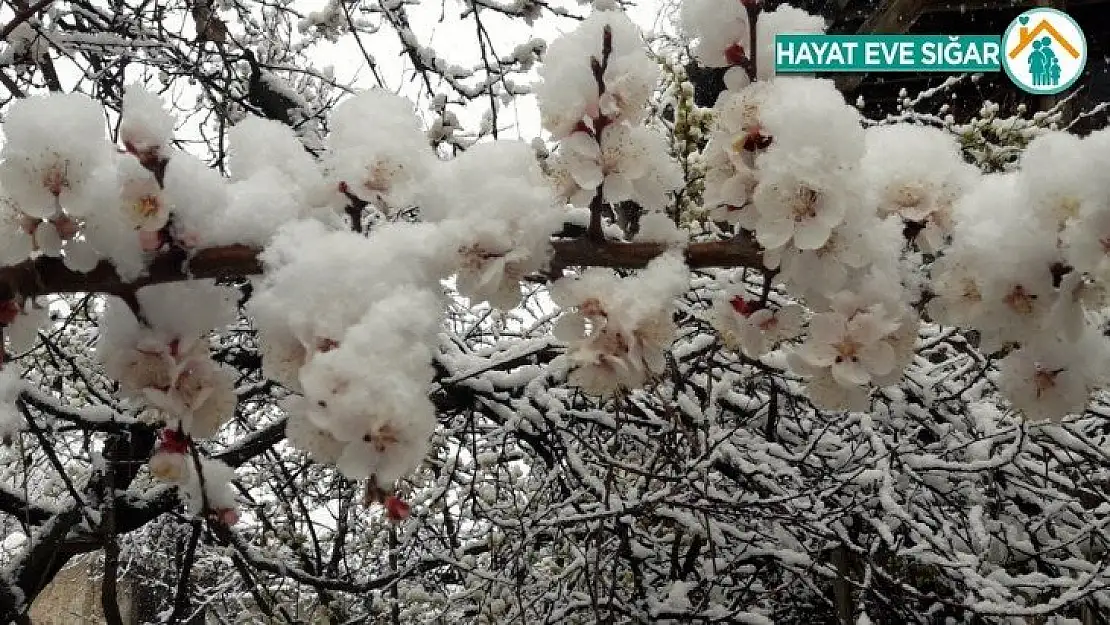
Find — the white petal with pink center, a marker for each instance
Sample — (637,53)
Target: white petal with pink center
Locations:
(52,145)
(620,332)
(1043,382)
(853,344)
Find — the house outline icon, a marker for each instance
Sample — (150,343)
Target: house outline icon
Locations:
(1026,37)
(1044,23)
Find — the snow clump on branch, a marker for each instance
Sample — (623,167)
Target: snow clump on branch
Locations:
(385,307)
(163,360)
(383,162)
(593,96)
(496,197)
(620,328)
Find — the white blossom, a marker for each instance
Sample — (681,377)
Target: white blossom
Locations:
(53,143)
(917,173)
(145,128)
(383,162)
(621,329)
(754,330)
(849,342)
(383,417)
(495,200)
(721,31)
(568,93)
(629,163)
(1045,380)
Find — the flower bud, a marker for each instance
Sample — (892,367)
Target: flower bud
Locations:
(167,466)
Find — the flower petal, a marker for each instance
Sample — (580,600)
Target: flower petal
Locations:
(817,354)
(850,373)
(774,233)
(617,188)
(878,358)
(811,234)
(828,328)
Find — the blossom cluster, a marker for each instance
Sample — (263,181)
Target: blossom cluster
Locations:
(789,162)
(362,364)
(380,305)
(1026,269)
(620,328)
(163,359)
(593,99)
(596,82)
(870,227)
(865,230)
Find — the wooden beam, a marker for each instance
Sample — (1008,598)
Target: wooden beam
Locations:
(968,6)
(893,17)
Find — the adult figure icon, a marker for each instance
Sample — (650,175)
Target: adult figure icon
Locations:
(1038,62)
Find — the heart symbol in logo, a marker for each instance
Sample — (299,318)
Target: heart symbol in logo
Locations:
(1024,19)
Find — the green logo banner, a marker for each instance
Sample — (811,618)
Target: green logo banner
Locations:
(814,54)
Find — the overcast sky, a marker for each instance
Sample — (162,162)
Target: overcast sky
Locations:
(437,25)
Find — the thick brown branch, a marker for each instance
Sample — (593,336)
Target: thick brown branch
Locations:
(22,16)
(581,252)
(49,275)
(14,504)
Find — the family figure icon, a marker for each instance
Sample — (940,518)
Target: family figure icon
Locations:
(1050,44)
(1044,67)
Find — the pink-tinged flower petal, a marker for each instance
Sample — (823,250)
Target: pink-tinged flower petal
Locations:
(830,212)
(761,316)
(569,328)
(592,109)
(582,144)
(774,233)
(754,341)
(817,354)
(150,241)
(801,366)
(736,78)
(850,373)
(878,357)
(736,189)
(828,328)
(649,193)
(586,173)
(866,328)
(789,319)
(630,160)
(811,234)
(616,188)
(826,392)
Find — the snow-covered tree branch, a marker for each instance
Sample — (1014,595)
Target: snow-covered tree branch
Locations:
(280,344)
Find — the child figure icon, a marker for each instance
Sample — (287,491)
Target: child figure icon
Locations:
(1044,67)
